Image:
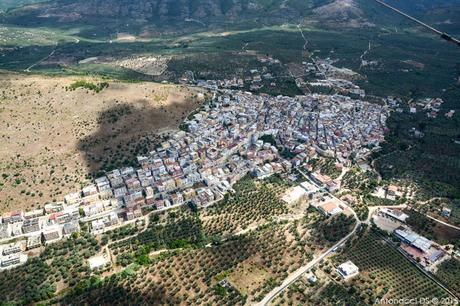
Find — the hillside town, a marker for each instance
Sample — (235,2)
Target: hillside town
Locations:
(234,135)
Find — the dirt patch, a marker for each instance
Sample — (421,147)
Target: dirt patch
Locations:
(126,37)
(51,137)
(414,64)
(296,69)
(343,12)
(150,65)
(248,276)
(446,233)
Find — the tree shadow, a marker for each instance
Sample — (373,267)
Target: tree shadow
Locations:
(119,290)
(126,131)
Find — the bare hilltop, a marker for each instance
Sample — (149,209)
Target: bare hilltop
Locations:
(56,131)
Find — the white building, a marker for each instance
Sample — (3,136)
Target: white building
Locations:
(348,269)
(97,261)
(396,214)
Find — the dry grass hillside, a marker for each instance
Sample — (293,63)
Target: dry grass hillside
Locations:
(52,137)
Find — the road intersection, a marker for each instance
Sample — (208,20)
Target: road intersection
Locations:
(299,272)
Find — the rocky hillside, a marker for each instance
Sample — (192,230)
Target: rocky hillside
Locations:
(166,10)
(181,14)
(8,4)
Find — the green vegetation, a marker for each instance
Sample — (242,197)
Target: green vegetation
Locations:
(252,203)
(219,289)
(329,168)
(177,232)
(89,85)
(363,181)
(432,162)
(120,233)
(285,87)
(389,271)
(448,273)
(371,200)
(268,138)
(61,262)
(325,166)
(362,184)
(334,228)
(432,229)
(140,256)
(337,294)
(284,152)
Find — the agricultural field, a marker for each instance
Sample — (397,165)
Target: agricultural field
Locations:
(265,255)
(254,203)
(173,230)
(179,257)
(58,132)
(190,227)
(252,263)
(224,53)
(448,273)
(389,270)
(325,292)
(384,273)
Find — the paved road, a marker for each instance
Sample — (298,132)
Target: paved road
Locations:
(442,222)
(299,272)
(437,220)
(42,60)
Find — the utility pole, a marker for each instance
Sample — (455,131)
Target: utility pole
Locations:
(443,35)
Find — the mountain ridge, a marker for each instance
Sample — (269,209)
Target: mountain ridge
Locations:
(161,10)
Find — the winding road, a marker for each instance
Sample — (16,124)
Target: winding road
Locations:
(299,272)
(437,220)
